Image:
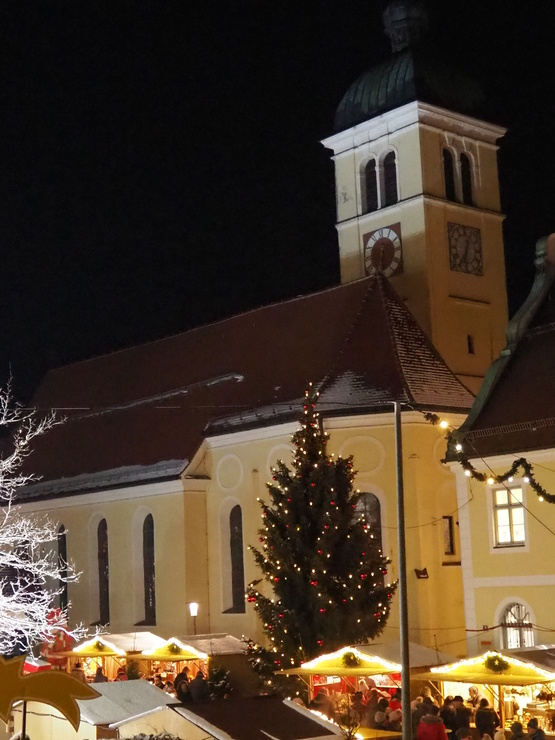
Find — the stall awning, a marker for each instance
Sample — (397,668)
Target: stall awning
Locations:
(499,669)
(97,647)
(349,661)
(174,649)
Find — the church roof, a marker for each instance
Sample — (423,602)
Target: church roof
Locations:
(409,75)
(143,412)
(515,409)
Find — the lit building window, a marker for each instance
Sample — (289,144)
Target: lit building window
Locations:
(508,512)
(517,627)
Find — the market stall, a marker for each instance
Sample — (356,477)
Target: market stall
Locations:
(511,684)
(97,652)
(168,659)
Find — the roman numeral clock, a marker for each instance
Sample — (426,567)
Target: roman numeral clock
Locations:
(382,250)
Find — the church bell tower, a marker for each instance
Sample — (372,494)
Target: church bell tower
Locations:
(418,194)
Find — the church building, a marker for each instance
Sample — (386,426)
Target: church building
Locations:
(154,477)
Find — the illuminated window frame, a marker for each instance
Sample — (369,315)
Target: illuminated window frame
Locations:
(516,626)
(514,510)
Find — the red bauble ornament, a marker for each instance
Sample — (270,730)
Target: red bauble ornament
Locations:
(319,642)
(276,579)
(332,503)
(322,610)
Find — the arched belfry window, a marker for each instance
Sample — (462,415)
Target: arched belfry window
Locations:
(148,570)
(103,573)
(371,186)
(62,567)
(236,557)
(466,180)
(449,175)
(390,179)
(516,626)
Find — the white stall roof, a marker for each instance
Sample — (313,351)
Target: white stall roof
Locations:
(122,701)
(419,656)
(215,644)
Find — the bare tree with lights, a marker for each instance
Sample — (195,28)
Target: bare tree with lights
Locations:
(31,573)
(317,553)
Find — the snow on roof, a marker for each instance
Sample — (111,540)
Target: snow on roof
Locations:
(122,701)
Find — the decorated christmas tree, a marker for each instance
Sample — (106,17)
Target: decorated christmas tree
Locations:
(317,553)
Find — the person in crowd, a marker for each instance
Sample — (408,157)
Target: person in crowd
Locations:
(463,733)
(121,675)
(517,731)
(486,718)
(499,734)
(78,673)
(448,714)
(380,721)
(394,720)
(430,726)
(99,676)
(463,714)
(198,688)
(158,681)
(358,708)
(534,730)
(323,703)
(181,684)
(474,697)
(395,701)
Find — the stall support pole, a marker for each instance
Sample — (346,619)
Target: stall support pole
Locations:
(403,609)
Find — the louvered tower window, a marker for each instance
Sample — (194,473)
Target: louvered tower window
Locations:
(466,180)
(449,175)
(390,179)
(371,183)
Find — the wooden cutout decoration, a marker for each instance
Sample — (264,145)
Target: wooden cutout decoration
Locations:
(56,688)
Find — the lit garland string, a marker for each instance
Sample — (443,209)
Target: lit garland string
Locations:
(455,453)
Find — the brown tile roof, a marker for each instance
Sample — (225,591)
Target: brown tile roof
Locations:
(515,409)
(258,718)
(147,408)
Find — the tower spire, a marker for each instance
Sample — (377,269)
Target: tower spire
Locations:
(405,22)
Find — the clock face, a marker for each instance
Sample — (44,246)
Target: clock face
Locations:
(382,250)
(465,249)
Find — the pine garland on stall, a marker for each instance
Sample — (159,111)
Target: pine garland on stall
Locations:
(318,554)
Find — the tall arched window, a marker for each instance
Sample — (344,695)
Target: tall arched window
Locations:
(517,627)
(369,507)
(466,180)
(236,555)
(371,183)
(148,570)
(390,179)
(103,573)
(449,175)
(62,567)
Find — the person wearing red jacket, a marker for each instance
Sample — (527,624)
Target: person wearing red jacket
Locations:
(431,725)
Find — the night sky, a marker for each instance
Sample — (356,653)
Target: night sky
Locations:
(160,165)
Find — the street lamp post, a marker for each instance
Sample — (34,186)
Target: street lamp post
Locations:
(193,611)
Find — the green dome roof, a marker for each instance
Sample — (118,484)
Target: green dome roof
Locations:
(406,76)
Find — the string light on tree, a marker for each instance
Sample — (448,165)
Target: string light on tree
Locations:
(325,592)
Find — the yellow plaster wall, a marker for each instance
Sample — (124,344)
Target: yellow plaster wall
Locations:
(500,576)
(429,495)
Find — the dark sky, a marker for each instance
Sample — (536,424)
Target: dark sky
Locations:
(160,164)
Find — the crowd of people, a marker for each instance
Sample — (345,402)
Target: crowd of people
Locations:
(432,717)
(186,689)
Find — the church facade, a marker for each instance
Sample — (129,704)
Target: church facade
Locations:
(155,475)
